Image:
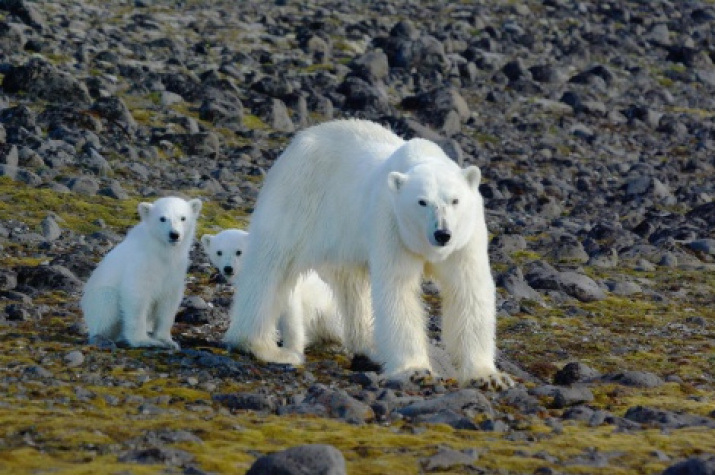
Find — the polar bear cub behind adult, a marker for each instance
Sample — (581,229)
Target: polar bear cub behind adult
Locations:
(373,213)
(135,291)
(311,315)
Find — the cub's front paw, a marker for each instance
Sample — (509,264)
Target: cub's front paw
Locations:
(145,342)
(496,381)
(277,355)
(169,343)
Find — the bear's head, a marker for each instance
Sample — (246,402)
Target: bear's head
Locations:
(437,206)
(171,220)
(225,250)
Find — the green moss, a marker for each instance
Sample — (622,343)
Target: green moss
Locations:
(254,122)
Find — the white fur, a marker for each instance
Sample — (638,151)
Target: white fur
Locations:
(344,198)
(311,315)
(135,291)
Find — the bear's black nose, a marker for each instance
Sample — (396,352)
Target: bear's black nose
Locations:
(228,270)
(174,236)
(442,236)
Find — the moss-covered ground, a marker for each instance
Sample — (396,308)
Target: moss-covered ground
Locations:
(80,420)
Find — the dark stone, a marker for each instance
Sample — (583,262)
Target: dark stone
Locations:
(247,401)
(704,465)
(574,372)
(52,277)
(315,459)
(460,401)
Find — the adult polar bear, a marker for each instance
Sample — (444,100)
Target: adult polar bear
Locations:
(373,214)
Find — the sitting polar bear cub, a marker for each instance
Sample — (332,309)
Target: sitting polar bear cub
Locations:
(311,315)
(134,293)
(372,213)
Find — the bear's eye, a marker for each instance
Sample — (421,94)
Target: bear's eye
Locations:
(422,203)
(183,218)
(455,201)
(219,253)
(238,253)
(162,219)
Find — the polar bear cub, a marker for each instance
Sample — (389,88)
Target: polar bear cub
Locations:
(311,314)
(135,291)
(373,214)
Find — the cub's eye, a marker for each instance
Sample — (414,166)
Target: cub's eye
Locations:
(422,203)
(183,218)
(455,201)
(162,219)
(219,253)
(238,253)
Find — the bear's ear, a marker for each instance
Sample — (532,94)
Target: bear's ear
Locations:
(473,176)
(144,210)
(206,241)
(195,205)
(395,180)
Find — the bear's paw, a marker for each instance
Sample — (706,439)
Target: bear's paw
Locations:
(496,381)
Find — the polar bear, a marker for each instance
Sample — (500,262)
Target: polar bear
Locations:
(374,214)
(312,313)
(135,291)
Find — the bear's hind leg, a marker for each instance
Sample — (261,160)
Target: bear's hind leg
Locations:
(101,313)
(260,297)
(351,288)
(292,323)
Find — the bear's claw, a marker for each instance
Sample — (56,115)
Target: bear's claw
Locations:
(496,381)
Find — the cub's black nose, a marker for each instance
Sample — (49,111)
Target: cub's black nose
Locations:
(442,236)
(174,236)
(228,270)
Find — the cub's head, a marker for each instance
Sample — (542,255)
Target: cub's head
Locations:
(171,220)
(437,207)
(225,250)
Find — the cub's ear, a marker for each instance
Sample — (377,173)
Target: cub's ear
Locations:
(473,176)
(195,205)
(144,210)
(206,241)
(395,180)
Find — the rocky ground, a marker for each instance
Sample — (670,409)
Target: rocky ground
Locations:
(593,123)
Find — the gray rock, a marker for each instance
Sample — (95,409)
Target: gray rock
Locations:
(706,246)
(624,289)
(447,459)
(580,286)
(84,185)
(449,418)
(247,401)
(52,277)
(43,81)
(575,372)
(339,404)
(666,419)
(703,465)
(8,155)
(315,459)
(11,37)
(50,229)
(157,456)
(640,379)
(74,359)
(513,282)
(572,396)
(469,400)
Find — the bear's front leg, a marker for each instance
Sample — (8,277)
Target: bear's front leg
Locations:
(135,316)
(400,326)
(164,316)
(469,318)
